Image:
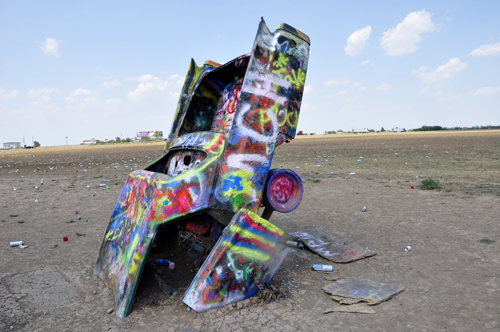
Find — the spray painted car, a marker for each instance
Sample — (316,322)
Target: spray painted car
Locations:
(214,176)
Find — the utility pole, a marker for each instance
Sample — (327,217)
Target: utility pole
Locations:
(32,141)
(66,140)
(23,140)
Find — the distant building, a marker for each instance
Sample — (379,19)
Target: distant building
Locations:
(360,130)
(150,134)
(398,130)
(11,145)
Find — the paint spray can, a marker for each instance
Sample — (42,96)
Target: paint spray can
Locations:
(162,262)
(364,209)
(319,267)
(41,182)
(16,243)
(299,245)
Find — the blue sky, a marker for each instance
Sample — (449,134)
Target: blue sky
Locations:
(101,69)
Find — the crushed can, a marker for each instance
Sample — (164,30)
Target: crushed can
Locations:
(299,245)
(162,262)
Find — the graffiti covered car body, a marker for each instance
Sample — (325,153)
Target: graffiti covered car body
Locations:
(215,174)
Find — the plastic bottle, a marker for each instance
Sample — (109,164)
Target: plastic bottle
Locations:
(319,267)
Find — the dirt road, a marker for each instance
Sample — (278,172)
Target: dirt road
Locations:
(451,278)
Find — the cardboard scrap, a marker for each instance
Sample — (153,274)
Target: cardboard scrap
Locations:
(354,290)
(354,308)
(331,247)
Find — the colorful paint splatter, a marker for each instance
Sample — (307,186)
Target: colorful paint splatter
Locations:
(228,122)
(246,255)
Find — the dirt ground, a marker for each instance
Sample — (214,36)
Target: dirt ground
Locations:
(452,279)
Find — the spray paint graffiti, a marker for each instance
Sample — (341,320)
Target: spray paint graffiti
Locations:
(247,255)
(228,122)
(147,200)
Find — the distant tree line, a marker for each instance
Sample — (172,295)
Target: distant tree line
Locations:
(434,128)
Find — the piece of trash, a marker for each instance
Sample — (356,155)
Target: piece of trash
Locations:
(364,209)
(412,187)
(299,245)
(171,266)
(408,248)
(352,173)
(36,200)
(65,239)
(92,195)
(79,218)
(426,156)
(162,262)
(353,290)
(41,182)
(169,291)
(297,166)
(76,212)
(16,243)
(332,248)
(80,234)
(54,245)
(107,187)
(319,267)
(23,246)
(102,185)
(110,311)
(88,186)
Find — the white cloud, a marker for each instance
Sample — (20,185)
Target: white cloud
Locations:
(42,95)
(358,86)
(406,35)
(424,90)
(341,93)
(151,84)
(490,90)
(337,82)
(80,97)
(384,87)
(489,49)
(308,89)
(364,62)
(451,68)
(8,95)
(110,84)
(357,41)
(50,47)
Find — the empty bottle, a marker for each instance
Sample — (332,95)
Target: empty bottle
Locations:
(319,267)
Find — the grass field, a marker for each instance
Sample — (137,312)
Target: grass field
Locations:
(464,161)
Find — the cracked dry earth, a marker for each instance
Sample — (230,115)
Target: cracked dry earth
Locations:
(452,279)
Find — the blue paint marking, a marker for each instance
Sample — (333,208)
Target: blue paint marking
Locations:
(233,182)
